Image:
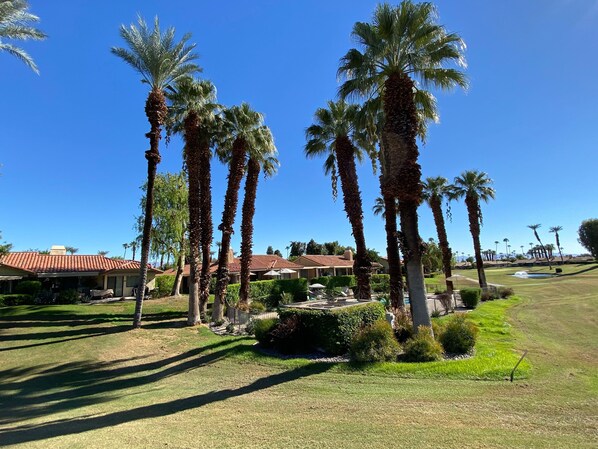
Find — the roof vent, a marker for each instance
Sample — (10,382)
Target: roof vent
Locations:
(58,250)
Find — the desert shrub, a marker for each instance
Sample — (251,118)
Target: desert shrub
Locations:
(422,347)
(446,301)
(262,328)
(256,307)
(31,288)
(435,313)
(164,285)
(459,335)
(69,296)
(375,343)
(471,297)
(437,329)
(505,292)
(403,327)
(487,295)
(287,336)
(333,330)
(13,299)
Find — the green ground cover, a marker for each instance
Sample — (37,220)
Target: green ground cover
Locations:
(77,376)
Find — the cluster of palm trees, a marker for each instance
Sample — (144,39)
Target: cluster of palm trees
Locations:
(401,54)
(237,135)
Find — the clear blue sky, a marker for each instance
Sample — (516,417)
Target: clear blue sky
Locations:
(73,138)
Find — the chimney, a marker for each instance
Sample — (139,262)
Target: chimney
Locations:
(230,257)
(348,255)
(58,250)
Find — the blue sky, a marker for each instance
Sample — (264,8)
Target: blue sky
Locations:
(73,137)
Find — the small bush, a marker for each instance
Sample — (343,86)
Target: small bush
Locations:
(256,307)
(422,347)
(287,337)
(505,292)
(459,335)
(437,329)
(375,343)
(70,296)
(250,326)
(164,285)
(471,297)
(31,288)
(262,329)
(446,301)
(15,300)
(435,313)
(403,327)
(285,298)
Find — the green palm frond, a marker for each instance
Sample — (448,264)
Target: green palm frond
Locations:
(15,24)
(155,55)
(474,184)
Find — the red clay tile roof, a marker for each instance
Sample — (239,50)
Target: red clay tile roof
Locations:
(259,262)
(45,263)
(313,260)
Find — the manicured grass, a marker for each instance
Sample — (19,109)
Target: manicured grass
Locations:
(77,377)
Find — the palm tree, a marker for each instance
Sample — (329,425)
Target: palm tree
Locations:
(125,246)
(404,48)
(556,230)
(506,241)
(496,242)
(474,186)
(103,253)
(71,250)
(15,23)
(534,228)
(262,157)
(193,113)
(238,137)
(335,135)
(435,190)
(160,61)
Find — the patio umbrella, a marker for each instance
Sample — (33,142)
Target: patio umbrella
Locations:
(272,273)
(317,286)
(287,271)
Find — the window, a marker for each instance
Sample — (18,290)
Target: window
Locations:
(132,281)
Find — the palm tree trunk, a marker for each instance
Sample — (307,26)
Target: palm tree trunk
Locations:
(155,110)
(180,262)
(207,230)
(251,182)
(397,299)
(362,266)
(558,245)
(543,249)
(473,208)
(235,176)
(399,138)
(193,166)
(443,241)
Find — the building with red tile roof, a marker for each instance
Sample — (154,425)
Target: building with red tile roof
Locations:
(316,265)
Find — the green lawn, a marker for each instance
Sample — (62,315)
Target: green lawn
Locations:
(78,377)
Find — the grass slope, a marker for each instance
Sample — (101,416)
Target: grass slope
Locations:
(77,377)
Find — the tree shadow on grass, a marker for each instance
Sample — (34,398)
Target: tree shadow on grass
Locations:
(84,383)
(585,270)
(24,434)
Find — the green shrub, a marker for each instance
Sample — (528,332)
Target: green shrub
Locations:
(435,313)
(459,335)
(287,336)
(269,292)
(333,330)
(16,300)
(262,328)
(335,281)
(375,343)
(70,296)
(403,327)
(471,297)
(505,292)
(488,295)
(31,288)
(250,326)
(256,307)
(437,329)
(422,347)
(380,283)
(164,285)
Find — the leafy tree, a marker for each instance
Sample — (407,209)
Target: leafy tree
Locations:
(435,190)
(588,236)
(297,249)
(432,257)
(373,255)
(278,253)
(270,250)
(15,24)
(4,247)
(474,186)
(336,135)
(193,113)
(535,228)
(314,248)
(262,158)
(555,230)
(402,49)
(160,61)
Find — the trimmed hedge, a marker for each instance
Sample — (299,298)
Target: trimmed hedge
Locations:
(269,292)
(335,281)
(31,288)
(16,299)
(333,330)
(471,297)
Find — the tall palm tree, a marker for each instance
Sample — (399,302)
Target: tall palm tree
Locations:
(496,242)
(534,228)
(506,241)
(262,157)
(125,246)
(435,190)
(160,61)
(403,48)
(15,24)
(193,113)
(237,138)
(336,135)
(474,186)
(556,230)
